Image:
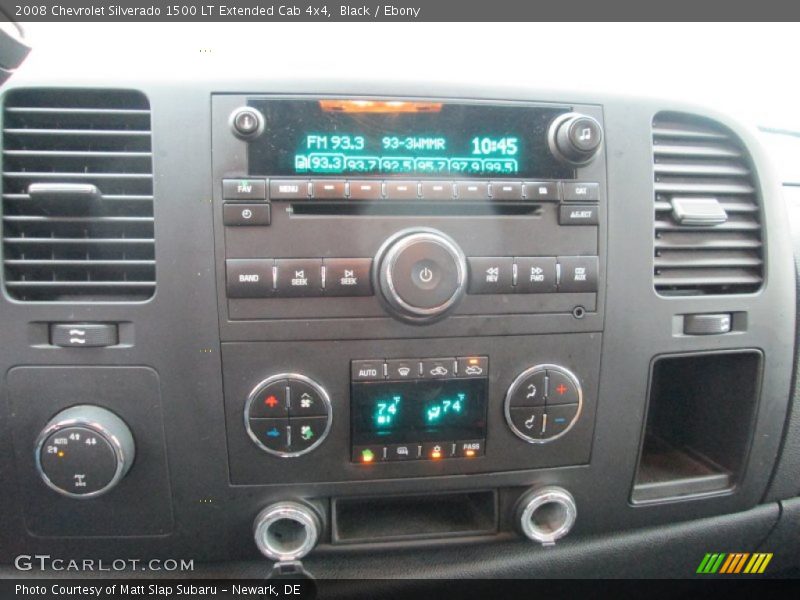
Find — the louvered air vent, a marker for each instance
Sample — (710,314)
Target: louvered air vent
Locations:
(77,195)
(708,237)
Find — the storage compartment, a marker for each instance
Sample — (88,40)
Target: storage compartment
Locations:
(387,518)
(699,424)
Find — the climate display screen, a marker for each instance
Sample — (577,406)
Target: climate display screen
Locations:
(360,138)
(418,411)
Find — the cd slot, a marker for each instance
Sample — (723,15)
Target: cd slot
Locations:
(389,208)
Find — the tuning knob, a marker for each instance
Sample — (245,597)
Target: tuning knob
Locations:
(422,274)
(575,138)
(84,451)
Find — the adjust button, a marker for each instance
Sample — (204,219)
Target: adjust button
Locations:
(269,402)
(305,432)
(305,401)
(271,433)
(560,389)
(531,391)
(560,417)
(299,277)
(249,277)
(347,276)
(529,421)
(491,275)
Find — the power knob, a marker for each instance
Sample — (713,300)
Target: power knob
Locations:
(84,451)
(575,138)
(422,275)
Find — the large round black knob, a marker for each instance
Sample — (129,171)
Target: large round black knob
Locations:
(422,274)
(575,138)
(84,451)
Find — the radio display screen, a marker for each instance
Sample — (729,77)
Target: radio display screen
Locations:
(361,138)
(419,411)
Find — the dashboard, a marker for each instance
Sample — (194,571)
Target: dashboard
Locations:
(325,322)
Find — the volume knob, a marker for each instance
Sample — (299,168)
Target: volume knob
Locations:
(575,138)
(422,274)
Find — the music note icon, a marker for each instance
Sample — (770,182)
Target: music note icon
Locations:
(586,134)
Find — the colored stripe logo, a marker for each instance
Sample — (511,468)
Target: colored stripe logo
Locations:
(734,563)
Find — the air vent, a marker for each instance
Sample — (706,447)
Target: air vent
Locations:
(708,237)
(77,195)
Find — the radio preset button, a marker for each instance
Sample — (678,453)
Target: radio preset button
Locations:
(328,189)
(536,274)
(366,370)
(270,401)
(437,190)
(437,368)
(578,214)
(298,277)
(248,277)
(541,190)
(246,214)
(288,189)
(560,389)
(506,190)
(578,273)
(403,369)
(472,190)
(402,190)
(244,189)
(581,192)
(366,190)
(491,275)
(530,391)
(347,276)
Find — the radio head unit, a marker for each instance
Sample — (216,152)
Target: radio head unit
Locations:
(399,138)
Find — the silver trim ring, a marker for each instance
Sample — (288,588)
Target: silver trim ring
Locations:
(293,511)
(552,132)
(403,241)
(91,417)
(297,377)
(520,379)
(534,500)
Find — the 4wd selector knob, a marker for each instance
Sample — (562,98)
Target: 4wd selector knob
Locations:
(421,274)
(84,451)
(575,138)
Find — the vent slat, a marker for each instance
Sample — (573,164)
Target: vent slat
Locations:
(696,158)
(62,250)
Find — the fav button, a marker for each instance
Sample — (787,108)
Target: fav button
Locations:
(299,277)
(244,189)
(269,401)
